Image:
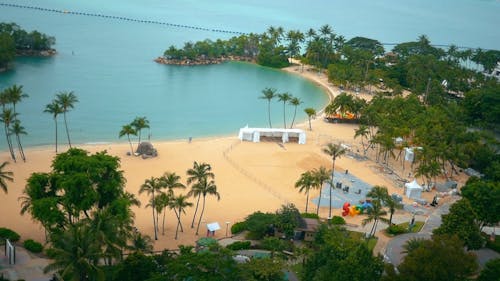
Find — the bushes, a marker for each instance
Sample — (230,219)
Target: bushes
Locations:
(239,245)
(33,246)
(338,220)
(238,227)
(6,233)
(396,229)
(309,216)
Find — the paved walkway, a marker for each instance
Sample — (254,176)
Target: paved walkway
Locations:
(28,267)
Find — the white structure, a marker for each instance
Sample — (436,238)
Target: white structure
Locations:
(254,134)
(495,72)
(413,190)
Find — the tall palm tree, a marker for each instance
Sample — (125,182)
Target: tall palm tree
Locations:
(311,112)
(171,181)
(320,175)
(15,95)
(180,203)
(305,183)
(141,243)
(150,186)
(380,193)
(55,109)
(284,97)
(197,174)
(140,123)
(161,204)
(7,117)
(295,102)
(18,130)
(362,132)
(205,188)
(268,94)
(128,130)
(335,151)
(66,101)
(5,175)
(376,214)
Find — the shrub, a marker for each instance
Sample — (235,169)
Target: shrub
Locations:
(309,216)
(396,230)
(494,245)
(337,220)
(33,246)
(238,227)
(239,245)
(6,233)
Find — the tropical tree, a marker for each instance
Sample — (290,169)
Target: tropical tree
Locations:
(5,175)
(141,243)
(362,132)
(320,175)
(284,97)
(140,123)
(7,117)
(18,130)
(311,112)
(55,109)
(66,101)
(15,95)
(205,188)
(150,186)
(305,183)
(335,151)
(180,203)
(170,181)
(128,130)
(268,94)
(198,174)
(376,214)
(295,102)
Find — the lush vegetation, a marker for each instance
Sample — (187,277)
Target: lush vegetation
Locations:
(16,41)
(33,246)
(10,234)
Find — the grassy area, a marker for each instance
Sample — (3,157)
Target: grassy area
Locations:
(359,235)
(416,228)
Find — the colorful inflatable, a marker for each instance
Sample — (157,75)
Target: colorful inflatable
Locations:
(353,210)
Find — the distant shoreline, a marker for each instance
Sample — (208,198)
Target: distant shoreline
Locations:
(201,61)
(29,53)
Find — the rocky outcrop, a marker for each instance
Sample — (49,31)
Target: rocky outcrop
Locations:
(201,61)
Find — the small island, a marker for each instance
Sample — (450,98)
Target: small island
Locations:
(15,41)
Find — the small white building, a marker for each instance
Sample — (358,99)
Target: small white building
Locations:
(285,135)
(413,190)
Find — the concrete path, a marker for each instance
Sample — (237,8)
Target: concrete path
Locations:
(27,267)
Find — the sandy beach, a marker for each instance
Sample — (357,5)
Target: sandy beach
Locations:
(250,176)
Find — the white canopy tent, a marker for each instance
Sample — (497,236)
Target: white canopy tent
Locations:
(254,134)
(413,190)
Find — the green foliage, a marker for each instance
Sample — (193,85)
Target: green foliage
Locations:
(287,219)
(259,225)
(396,229)
(491,271)
(33,246)
(416,228)
(7,49)
(482,105)
(309,215)
(443,258)
(24,41)
(274,244)
(136,267)
(6,233)
(494,245)
(484,198)
(262,269)
(239,245)
(461,221)
(238,227)
(337,220)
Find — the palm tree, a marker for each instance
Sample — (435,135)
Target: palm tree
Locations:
(128,130)
(376,214)
(15,95)
(380,193)
(66,101)
(320,175)
(412,244)
(17,130)
(170,181)
(141,243)
(180,203)
(311,112)
(7,117)
(140,123)
(205,188)
(5,175)
(199,173)
(335,151)
(362,132)
(295,102)
(55,109)
(268,94)
(305,183)
(284,97)
(161,204)
(150,186)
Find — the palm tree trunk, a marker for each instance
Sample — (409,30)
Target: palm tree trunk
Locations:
(177,216)
(154,220)
(178,223)
(294,115)
(269,112)
(21,151)
(130,142)
(67,132)
(201,215)
(163,223)
(12,155)
(56,133)
(330,209)
(319,201)
(195,211)
(284,115)
(390,218)
(310,128)
(307,200)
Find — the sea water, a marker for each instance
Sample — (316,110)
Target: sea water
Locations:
(108,63)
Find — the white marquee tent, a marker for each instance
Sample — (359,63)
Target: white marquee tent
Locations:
(254,134)
(413,190)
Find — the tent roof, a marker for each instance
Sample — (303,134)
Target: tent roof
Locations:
(413,185)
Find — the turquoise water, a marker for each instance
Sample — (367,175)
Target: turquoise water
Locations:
(108,63)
